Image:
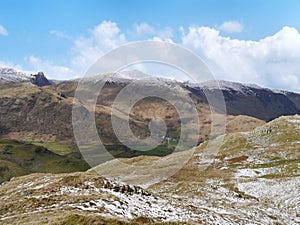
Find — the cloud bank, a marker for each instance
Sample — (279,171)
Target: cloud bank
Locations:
(101,39)
(271,62)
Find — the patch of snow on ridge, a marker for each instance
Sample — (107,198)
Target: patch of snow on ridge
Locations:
(135,205)
(223,85)
(155,207)
(284,193)
(132,75)
(15,75)
(138,76)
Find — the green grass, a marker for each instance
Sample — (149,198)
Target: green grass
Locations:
(9,169)
(58,148)
(19,158)
(121,151)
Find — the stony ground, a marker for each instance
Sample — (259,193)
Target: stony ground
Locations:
(253,179)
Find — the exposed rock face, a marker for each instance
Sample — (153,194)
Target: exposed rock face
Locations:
(39,79)
(18,76)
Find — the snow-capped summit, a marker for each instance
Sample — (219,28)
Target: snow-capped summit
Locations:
(14,75)
(132,75)
(223,84)
(229,86)
(127,76)
(8,74)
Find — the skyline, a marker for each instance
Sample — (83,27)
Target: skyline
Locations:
(248,42)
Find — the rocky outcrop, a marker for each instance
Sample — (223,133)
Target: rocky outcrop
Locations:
(39,79)
(18,76)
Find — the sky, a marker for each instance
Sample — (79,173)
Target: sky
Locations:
(247,41)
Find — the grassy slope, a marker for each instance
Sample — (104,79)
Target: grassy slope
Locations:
(19,158)
(221,191)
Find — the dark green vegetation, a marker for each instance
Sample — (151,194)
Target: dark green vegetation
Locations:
(94,155)
(121,151)
(20,158)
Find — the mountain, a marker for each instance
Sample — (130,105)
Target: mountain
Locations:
(43,114)
(254,179)
(13,75)
(251,100)
(32,113)
(241,99)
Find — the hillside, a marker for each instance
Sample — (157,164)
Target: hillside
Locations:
(251,100)
(46,111)
(19,158)
(254,173)
(43,114)
(254,179)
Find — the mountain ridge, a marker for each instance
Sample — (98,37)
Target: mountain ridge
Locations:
(57,99)
(8,74)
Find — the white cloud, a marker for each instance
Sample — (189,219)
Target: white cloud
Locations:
(145,31)
(86,50)
(102,38)
(60,34)
(3,31)
(55,72)
(231,27)
(272,61)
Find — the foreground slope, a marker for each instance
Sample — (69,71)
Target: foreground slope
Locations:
(81,198)
(254,179)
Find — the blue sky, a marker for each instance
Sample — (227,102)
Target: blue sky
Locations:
(50,35)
